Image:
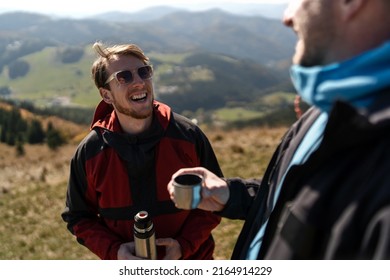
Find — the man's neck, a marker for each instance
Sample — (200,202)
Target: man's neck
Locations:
(134,126)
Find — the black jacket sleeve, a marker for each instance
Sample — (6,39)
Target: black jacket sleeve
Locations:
(242,193)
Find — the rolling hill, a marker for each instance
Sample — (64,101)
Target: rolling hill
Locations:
(206,60)
(256,38)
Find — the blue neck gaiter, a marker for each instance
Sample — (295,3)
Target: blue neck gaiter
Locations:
(354,81)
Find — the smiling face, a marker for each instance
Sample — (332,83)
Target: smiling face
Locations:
(133,100)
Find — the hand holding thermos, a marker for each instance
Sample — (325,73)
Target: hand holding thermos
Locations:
(145,242)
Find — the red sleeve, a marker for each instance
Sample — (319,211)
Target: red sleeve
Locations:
(81,216)
(97,238)
(196,231)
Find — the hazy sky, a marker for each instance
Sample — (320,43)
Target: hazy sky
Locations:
(77,8)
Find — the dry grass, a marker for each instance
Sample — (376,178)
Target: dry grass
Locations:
(32,194)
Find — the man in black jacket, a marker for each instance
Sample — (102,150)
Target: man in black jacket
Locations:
(326,192)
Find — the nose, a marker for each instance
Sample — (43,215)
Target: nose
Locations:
(290,12)
(287,16)
(287,20)
(137,79)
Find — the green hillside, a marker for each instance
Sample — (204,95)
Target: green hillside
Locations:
(207,86)
(50,80)
(224,77)
(204,62)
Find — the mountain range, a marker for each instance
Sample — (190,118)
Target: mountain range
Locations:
(272,11)
(269,10)
(256,38)
(246,56)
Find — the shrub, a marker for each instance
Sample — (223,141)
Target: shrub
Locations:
(18,68)
(54,137)
(71,54)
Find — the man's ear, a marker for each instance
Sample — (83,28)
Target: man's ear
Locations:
(106,95)
(350,8)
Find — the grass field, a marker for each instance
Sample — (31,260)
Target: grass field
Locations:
(32,194)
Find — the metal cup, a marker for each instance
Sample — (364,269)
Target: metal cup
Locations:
(187,189)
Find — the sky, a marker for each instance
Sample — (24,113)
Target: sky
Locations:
(80,8)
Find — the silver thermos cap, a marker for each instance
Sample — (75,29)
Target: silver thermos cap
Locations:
(144,237)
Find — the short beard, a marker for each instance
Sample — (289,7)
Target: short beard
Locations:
(312,58)
(318,35)
(134,114)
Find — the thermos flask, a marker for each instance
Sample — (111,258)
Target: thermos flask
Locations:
(144,237)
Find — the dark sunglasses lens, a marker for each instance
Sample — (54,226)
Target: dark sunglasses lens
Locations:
(124,77)
(145,72)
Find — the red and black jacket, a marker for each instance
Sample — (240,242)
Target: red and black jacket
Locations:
(114,175)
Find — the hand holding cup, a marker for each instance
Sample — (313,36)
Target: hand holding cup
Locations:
(207,191)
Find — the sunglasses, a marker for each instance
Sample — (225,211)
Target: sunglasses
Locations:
(127,76)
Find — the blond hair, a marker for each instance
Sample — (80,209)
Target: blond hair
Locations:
(105,54)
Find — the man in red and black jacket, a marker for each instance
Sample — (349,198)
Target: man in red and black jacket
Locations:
(124,164)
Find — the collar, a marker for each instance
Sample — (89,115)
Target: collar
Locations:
(354,81)
(106,118)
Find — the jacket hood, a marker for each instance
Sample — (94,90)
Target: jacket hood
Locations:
(137,150)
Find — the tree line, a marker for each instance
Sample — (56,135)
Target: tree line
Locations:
(17,131)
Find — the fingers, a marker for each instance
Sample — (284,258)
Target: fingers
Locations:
(172,250)
(215,191)
(127,252)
